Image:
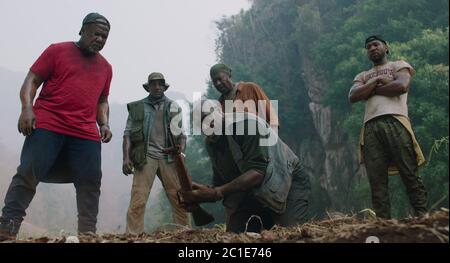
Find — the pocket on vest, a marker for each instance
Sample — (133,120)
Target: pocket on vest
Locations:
(275,188)
(137,135)
(138,155)
(280,183)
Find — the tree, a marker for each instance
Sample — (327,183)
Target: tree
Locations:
(306,54)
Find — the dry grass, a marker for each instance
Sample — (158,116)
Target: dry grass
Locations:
(429,228)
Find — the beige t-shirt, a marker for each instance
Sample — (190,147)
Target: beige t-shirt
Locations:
(378,105)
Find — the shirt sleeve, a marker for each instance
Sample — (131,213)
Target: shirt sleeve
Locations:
(399,65)
(217,178)
(255,156)
(252,91)
(359,78)
(44,66)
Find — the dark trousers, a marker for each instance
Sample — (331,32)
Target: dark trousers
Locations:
(297,204)
(55,158)
(387,141)
(251,216)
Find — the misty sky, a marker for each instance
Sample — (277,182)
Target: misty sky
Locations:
(175,37)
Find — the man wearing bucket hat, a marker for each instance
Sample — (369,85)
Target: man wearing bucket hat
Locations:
(145,148)
(64,127)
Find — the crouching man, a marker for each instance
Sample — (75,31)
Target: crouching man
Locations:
(258,177)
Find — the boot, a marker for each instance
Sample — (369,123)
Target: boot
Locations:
(8,229)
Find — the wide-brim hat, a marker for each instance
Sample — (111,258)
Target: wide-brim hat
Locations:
(155,76)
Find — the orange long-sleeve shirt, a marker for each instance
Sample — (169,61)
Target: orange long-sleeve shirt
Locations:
(249,94)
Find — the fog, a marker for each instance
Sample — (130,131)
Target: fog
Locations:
(175,37)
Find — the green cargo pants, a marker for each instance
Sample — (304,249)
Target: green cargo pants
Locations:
(386,140)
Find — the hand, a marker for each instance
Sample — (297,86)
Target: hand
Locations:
(27,121)
(105,133)
(127,167)
(200,193)
(172,150)
(373,93)
(383,80)
(372,81)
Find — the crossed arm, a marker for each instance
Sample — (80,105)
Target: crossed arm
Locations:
(381,86)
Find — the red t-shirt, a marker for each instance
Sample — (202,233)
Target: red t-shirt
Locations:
(73,84)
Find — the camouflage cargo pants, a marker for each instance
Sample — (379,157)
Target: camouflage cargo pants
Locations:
(386,140)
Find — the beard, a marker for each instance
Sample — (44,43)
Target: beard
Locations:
(156,96)
(378,57)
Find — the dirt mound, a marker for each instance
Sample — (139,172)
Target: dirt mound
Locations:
(431,228)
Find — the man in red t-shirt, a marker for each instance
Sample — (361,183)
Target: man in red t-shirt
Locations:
(63,142)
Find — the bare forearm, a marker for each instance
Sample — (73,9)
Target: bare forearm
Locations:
(182,143)
(362,92)
(393,89)
(103,113)
(28,90)
(27,96)
(246,181)
(27,119)
(126,146)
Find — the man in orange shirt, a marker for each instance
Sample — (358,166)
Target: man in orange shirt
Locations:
(242,96)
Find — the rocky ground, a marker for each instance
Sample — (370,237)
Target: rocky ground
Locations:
(431,228)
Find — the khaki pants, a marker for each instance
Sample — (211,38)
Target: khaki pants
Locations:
(142,184)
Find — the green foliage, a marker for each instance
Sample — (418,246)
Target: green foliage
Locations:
(437,146)
(259,45)
(417,31)
(435,174)
(278,43)
(428,109)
